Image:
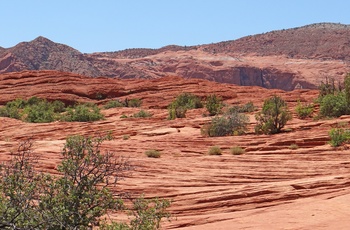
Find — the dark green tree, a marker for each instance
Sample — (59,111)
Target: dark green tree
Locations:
(273,117)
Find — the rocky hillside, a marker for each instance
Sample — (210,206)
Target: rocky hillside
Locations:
(285,59)
(315,41)
(271,186)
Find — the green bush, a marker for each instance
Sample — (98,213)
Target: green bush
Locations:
(142,114)
(153,153)
(293,146)
(183,102)
(189,101)
(232,123)
(113,104)
(83,113)
(246,108)
(273,117)
(214,105)
(236,150)
(304,111)
(135,102)
(41,112)
(339,136)
(333,105)
(215,150)
(176,111)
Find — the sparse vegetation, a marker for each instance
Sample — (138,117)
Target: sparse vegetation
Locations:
(183,102)
(339,136)
(232,123)
(293,146)
(142,114)
(83,113)
(37,110)
(126,137)
(153,153)
(333,105)
(246,108)
(237,150)
(113,104)
(273,117)
(215,150)
(214,105)
(304,111)
(134,102)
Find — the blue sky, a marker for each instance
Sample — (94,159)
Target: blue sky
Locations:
(111,25)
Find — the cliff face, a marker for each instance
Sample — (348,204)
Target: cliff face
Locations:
(299,57)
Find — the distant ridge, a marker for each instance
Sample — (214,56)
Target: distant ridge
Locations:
(319,40)
(219,62)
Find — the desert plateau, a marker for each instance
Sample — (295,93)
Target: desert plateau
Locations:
(290,180)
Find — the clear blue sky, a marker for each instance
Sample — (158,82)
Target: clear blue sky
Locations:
(111,25)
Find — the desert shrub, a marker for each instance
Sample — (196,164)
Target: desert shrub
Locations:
(123,116)
(8,111)
(304,111)
(176,111)
(34,109)
(293,146)
(135,102)
(189,101)
(183,102)
(213,104)
(126,137)
(338,136)
(153,153)
(273,117)
(237,150)
(215,150)
(142,114)
(77,198)
(83,113)
(333,105)
(12,108)
(113,104)
(232,123)
(246,108)
(40,112)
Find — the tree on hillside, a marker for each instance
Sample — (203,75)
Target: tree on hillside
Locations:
(273,117)
(77,198)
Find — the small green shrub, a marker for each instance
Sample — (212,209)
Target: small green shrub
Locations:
(123,116)
(189,101)
(214,105)
(304,111)
(232,123)
(339,136)
(142,114)
(176,111)
(246,108)
(126,137)
(237,150)
(183,102)
(293,146)
(215,150)
(153,153)
(333,105)
(113,104)
(41,112)
(83,113)
(135,102)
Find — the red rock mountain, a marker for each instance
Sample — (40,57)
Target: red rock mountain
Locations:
(284,59)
